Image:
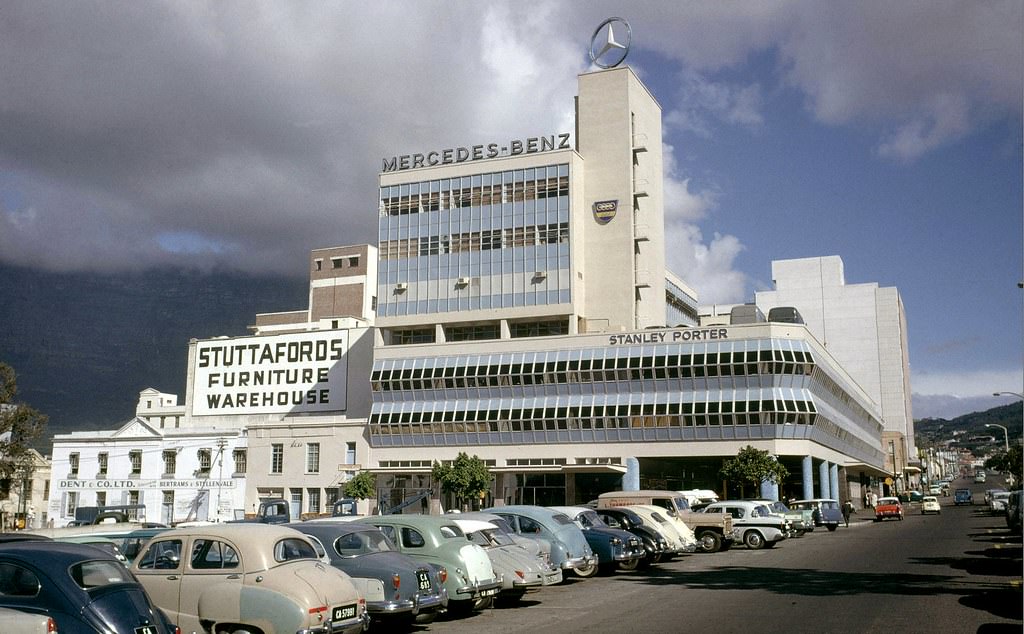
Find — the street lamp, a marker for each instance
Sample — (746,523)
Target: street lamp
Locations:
(1017,394)
(1006,434)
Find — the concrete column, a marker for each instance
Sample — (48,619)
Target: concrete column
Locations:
(833,480)
(769,490)
(823,490)
(807,471)
(631,479)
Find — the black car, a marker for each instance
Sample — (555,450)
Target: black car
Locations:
(411,589)
(655,544)
(82,588)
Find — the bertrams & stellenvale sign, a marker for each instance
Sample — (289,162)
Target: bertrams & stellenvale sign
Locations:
(301,372)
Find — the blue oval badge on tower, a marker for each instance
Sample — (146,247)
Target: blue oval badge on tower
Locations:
(604,211)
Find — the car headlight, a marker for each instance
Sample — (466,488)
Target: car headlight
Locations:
(615,541)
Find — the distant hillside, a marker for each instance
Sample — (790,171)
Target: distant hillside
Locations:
(84,345)
(937,431)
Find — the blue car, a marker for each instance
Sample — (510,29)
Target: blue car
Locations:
(80,587)
(614,547)
(569,547)
(963,496)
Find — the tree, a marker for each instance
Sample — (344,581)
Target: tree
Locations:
(362,486)
(19,425)
(1008,462)
(753,466)
(466,478)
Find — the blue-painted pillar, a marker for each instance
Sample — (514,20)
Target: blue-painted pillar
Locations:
(631,479)
(769,490)
(807,471)
(823,480)
(833,480)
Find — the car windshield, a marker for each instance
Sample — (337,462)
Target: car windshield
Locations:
(590,519)
(888,501)
(96,574)
(760,511)
(929,498)
(502,523)
(1001,495)
(682,504)
(779,507)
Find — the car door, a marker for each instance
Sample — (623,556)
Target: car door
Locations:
(159,570)
(212,563)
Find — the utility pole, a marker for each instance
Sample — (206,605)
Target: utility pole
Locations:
(221,443)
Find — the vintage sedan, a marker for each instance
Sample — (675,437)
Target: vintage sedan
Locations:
(247,578)
(669,527)
(801,521)
(758,526)
(471,583)
(614,547)
(397,588)
(997,504)
(930,504)
(79,587)
(656,546)
(888,507)
(520,572)
(569,548)
(826,511)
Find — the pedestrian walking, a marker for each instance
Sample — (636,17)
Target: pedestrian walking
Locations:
(847,511)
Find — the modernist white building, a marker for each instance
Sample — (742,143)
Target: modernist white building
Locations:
(864,326)
(525,315)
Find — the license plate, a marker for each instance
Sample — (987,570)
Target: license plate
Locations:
(344,612)
(423,580)
(146,629)
(489,593)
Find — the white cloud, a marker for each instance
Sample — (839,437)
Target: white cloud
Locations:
(708,268)
(967,383)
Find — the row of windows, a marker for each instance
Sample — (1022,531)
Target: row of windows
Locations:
(587,376)
(609,422)
(546,363)
(475,191)
(312,457)
(470,241)
(674,408)
(204,457)
(405,336)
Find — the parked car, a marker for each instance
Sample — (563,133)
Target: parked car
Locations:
(519,571)
(712,531)
(614,547)
(888,507)
(963,496)
(23,622)
(997,503)
(757,525)
(990,493)
(669,527)
(935,489)
(1013,511)
(80,587)
(801,521)
(396,587)
(930,504)
(243,577)
(656,545)
(826,511)
(569,547)
(535,546)
(471,583)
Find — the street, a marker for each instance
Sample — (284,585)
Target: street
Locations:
(959,571)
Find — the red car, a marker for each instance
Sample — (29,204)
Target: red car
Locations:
(888,507)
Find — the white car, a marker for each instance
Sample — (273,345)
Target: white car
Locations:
(758,527)
(997,505)
(930,504)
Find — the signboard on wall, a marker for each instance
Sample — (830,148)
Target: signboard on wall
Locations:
(301,372)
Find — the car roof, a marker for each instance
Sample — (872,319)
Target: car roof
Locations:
(334,528)
(52,554)
(471,525)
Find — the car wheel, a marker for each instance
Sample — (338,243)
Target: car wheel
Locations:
(710,542)
(832,527)
(630,565)
(585,571)
(754,540)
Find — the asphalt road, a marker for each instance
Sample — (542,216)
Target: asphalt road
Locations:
(959,571)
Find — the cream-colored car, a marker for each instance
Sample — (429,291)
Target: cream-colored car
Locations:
(930,504)
(245,578)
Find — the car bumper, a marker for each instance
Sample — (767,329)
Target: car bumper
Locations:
(629,554)
(553,576)
(579,562)
(356,624)
(480,590)
(419,603)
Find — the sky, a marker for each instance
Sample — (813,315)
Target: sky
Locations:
(241,135)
